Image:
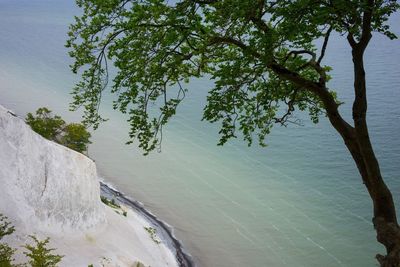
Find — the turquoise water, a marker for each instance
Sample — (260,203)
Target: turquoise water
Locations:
(298,202)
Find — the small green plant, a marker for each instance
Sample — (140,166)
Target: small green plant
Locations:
(6,252)
(6,255)
(153,234)
(104,200)
(111,203)
(125,213)
(139,264)
(40,255)
(53,127)
(114,204)
(90,265)
(5,226)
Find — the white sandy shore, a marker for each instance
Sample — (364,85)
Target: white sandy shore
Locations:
(51,191)
(121,241)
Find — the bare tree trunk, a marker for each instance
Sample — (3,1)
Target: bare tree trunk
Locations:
(385,220)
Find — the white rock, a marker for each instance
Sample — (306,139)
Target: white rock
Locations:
(45,186)
(51,191)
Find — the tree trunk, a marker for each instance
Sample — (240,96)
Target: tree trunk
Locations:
(360,147)
(384,218)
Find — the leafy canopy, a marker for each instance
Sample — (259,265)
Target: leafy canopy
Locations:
(73,135)
(45,124)
(260,54)
(76,137)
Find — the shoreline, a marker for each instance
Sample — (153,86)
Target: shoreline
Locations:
(164,231)
(58,197)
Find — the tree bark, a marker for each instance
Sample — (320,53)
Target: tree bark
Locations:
(384,218)
(360,147)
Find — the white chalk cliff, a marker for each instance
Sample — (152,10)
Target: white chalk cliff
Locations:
(44,183)
(49,190)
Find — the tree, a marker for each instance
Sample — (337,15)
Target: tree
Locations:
(73,135)
(45,124)
(40,255)
(261,54)
(76,137)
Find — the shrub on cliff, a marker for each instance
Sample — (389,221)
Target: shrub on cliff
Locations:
(76,137)
(6,252)
(45,124)
(53,127)
(40,255)
(6,255)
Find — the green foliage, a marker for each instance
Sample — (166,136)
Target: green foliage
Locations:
(252,50)
(153,234)
(76,137)
(40,255)
(5,226)
(104,200)
(45,124)
(6,252)
(6,255)
(73,135)
(139,264)
(111,203)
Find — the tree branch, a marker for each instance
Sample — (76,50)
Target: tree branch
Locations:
(360,100)
(345,129)
(366,25)
(350,39)
(325,44)
(229,40)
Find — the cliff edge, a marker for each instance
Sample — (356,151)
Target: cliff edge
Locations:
(45,186)
(52,191)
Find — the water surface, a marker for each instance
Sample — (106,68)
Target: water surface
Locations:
(298,202)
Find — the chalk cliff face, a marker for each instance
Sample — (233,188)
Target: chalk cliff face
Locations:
(45,186)
(51,191)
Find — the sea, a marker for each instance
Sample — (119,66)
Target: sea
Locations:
(297,202)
